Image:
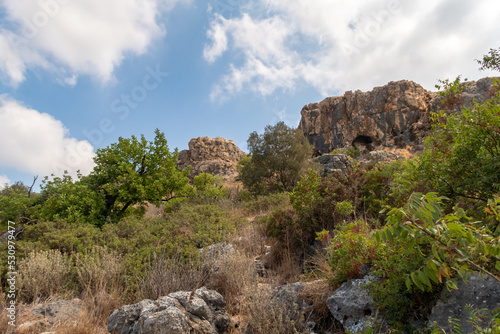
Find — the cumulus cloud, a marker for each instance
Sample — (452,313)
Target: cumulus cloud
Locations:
(338,45)
(37,143)
(4,180)
(75,37)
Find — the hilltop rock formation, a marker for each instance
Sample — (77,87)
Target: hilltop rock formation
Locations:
(217,156)
(394,116)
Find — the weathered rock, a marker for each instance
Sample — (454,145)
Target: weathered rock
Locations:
(395,115)
(14,233)
(352,305)
(334,162)
(213,255)
(217,156)
(480,292)
(201,311)
(289,294)
(48,315)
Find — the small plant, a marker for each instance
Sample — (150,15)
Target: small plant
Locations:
(350,151)
(350,251)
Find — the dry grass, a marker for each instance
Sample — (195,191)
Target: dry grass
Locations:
(235,274)
(43,274)
(165,276)
(98,270)
(267,316)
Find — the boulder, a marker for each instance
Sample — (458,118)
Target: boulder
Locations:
(334,162)
(393,116)
(478,292)
(217,156)
(213,255)
(200,311)
(352,306)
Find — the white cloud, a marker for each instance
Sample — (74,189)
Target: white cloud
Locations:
(339,45)
(77,37)
(3,181)
(37,143)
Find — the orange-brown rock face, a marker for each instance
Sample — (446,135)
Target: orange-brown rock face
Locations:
(217,156)
(395,116)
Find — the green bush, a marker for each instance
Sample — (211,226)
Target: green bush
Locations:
(351,251)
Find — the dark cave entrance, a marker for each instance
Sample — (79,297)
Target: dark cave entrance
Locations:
(363,143)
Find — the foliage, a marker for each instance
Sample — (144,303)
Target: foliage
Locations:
(453,245)
(136,172)
(62,198)
(490,61)
(208,187)
(128,175)
(14,202)
(393,262)
(350,251)
(279,157)
(462,156)
(350,151)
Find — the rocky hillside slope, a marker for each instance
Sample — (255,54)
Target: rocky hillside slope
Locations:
(393,116)
(217,156)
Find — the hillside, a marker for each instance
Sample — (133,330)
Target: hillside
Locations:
(393,227)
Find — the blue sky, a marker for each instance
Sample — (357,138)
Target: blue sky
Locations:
(75,75)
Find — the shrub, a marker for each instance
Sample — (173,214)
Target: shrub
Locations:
(351,252)
(98,270)
(43,274)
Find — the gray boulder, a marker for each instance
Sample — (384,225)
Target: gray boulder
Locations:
(334,162)
(479,292)
(200,311)
(214,254)
(352,306)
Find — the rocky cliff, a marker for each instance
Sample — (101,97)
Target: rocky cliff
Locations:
(394,116)
(217,156)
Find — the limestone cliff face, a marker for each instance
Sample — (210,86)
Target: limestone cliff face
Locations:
(217,156)
(395,116)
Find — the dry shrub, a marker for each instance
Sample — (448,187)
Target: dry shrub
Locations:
(233,276)
(316,293)
(268,316)
(98,270)
(4,321)
(284,264)
(43,274)
(164,276)
(250,239)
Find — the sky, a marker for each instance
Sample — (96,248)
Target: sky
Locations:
(75,75)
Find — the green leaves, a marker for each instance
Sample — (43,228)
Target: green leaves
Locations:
(453,242)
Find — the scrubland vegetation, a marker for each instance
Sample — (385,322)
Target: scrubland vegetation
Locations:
(419,225)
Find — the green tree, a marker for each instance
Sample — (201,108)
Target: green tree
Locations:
(279,157)
(15,200)
(128,175)
(490,61)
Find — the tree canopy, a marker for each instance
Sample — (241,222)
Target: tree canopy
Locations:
(279,157)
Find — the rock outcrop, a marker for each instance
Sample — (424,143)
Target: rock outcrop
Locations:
(183,312)
(334,162)
(394,116)
(352,305)
(217,156)
(478,292)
